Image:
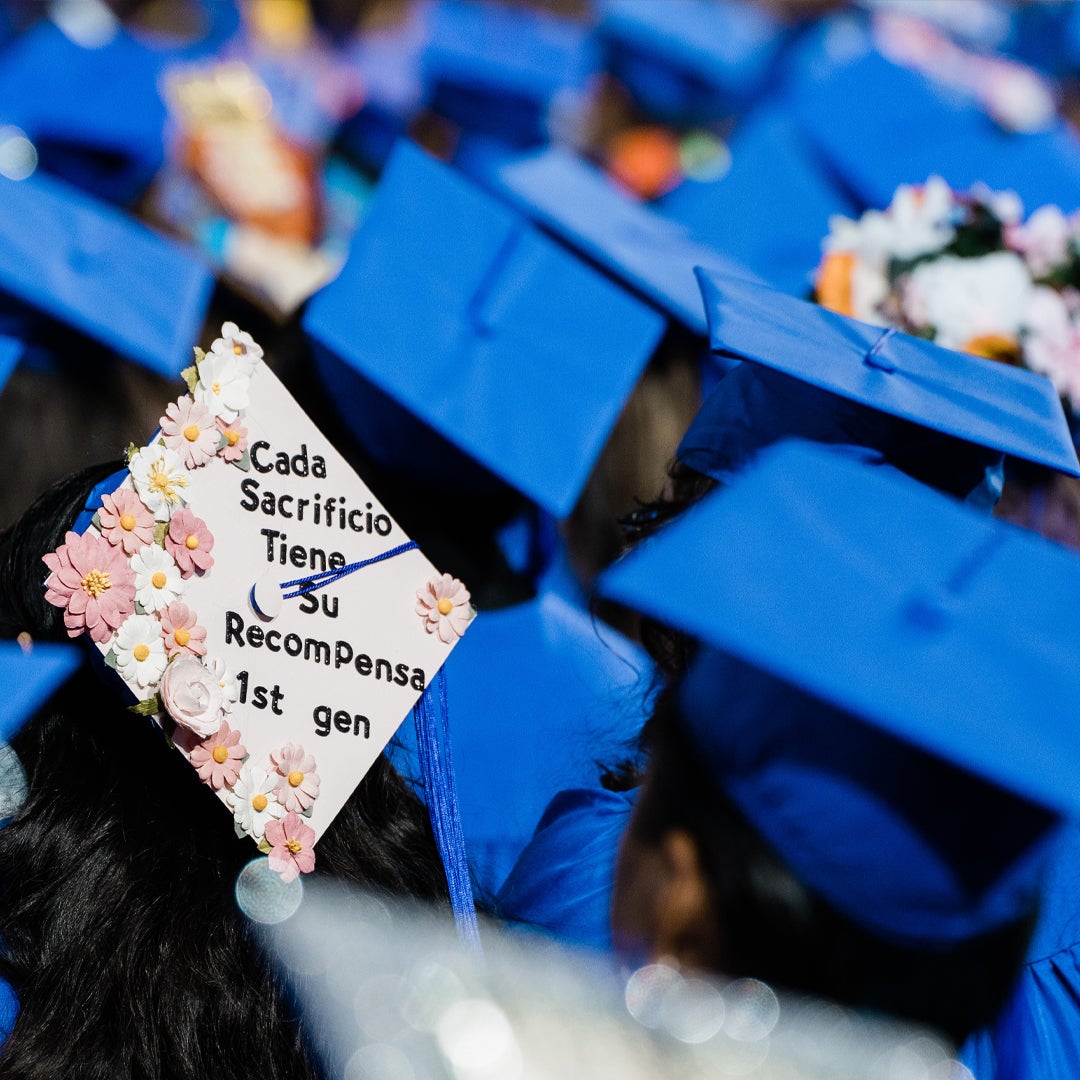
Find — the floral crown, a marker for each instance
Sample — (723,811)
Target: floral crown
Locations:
(127,580)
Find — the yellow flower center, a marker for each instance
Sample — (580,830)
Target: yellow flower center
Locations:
(295,846)
(96,582)
(445,606)
(238,349)
(296,778)
(192,432)
(216,387)
(141,652)
(182,637)
(191,542)
(127,522)
(221,755)
(161,482)
(159,580)
(232,437)
(259,802)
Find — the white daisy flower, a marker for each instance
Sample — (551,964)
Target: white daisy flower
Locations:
(157,578)
(160,479)
(239,346)
(222,385)
(253,802)
(230,688)
(140,651)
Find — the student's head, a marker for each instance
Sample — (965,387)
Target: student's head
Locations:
(121,934)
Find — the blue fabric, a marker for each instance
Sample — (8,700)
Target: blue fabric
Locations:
(11,350)
(966,398)
(542,698)
(9,1009)
(30,678)
(563,879)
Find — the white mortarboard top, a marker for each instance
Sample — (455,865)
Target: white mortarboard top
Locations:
(191,581)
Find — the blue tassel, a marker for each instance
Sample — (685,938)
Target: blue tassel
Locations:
(432,720)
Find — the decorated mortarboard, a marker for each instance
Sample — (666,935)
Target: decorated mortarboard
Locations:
(454,330)
(771,206)
(93,268)
(694,60)
(886,689)
(648,253)
(870,376)
(541,694)
(30,675)
(880,125)
(256,599)
(495,69)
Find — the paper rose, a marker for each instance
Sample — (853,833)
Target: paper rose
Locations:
(227,681)
(443,604)
(189,542)
(291,846)
(140,651)
(92,582)
(179,624)
(188,428)
(192,695)
(157,578)
(252,801)
(125,521)
(235,442)
(218,758)
(297,781)
(239,346)
(160,479)
(222,385)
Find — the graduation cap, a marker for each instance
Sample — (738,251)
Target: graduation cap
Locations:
(93,268)
(11,349)
(256,599)
(771,207)
(495,69)
(939,415)
(30,676)
(689,61)
(886,688)
(543,697)
(880,125)
(641,249)
(454,331)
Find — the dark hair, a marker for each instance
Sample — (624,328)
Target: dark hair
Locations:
(774,928)
(119,931)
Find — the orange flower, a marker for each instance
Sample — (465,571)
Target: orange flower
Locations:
(833,283)
(994,347)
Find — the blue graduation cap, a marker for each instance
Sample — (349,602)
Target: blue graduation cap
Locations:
(495,69)
(771,208)
(886,687)
(824,376)
(30,677)
(97,270)
(646,252)
(11,349)
(541,698)
(880,125)
(689,61)
(455,330)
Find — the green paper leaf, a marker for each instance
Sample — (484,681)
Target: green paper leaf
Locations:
(130,452)
(190,375)
(239,829)
(244,464)
(139,609)
(110,659)
(96,521)
(200,355)
(160,529)
(264,845)
(147,707)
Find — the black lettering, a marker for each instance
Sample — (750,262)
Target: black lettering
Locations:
(402,676)
(281,505)
(417,681)
(298,556)
(271,535)
(300,461)
(342,653)
(319,651)
(276,696)
(357,721)
(337,560)
(242,680)
(281,462)
(234,627)
(318,467)
(300,504)
(321,716)
(342,721)
(379,666)
(273,637)
(249,486)
(330,606)
(309,604)
(255,636)
(260,466)
(363,664)
(383,525)
(318,556)
(258,698)
(268,503)
(293,645)
(352,524)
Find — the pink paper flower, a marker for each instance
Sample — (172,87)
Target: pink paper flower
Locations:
(291,846)
(188,428)
(182,631)
(443,604)
(189,542)
(125,521)
(192,696)
(299,784)
(236,439)
(92,582)
(217,759)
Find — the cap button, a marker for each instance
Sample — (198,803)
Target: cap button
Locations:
(265,597)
